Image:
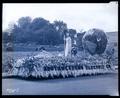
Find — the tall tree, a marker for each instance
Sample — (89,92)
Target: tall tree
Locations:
(24,22)
(60,26)
(38,30)
(39,23)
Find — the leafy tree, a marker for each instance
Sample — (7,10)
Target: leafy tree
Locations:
(38,23)
(60,26)
(52,36)
(24,22)
(38,30)
(79,40)
(5,37)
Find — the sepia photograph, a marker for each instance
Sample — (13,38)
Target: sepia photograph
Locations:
(60,48)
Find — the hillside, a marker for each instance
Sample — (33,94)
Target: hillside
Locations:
(112,36)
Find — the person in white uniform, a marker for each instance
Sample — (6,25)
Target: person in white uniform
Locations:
(68,45)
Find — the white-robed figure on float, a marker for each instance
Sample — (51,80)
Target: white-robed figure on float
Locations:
(67,45)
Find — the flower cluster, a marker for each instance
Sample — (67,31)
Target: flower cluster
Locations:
(7,64)
(55,66)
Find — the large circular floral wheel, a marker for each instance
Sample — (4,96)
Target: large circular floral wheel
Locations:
(95,41)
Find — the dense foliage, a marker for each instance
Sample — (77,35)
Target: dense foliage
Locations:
(38,30)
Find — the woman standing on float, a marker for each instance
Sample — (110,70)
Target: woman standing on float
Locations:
(67,44)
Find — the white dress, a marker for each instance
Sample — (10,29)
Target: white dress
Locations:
(68,47)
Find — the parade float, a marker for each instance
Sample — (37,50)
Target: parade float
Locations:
(95,59)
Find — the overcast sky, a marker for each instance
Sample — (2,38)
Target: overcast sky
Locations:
(77,15)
